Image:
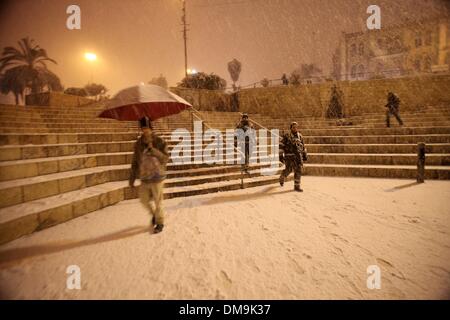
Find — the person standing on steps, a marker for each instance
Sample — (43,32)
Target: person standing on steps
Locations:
(393,105)
(245,125)
(149,163)
(293,154)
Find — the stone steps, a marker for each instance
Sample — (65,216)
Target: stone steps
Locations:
(93,127)
(346,131)
(376,171)
(375,117)
(22,152)
(59,130)
(411,124)
(376,131)
(377,122)
(18,169)
(410,159)
(25,218)
(24,190)
(424,110)
(50,113)
(377,148)
(58,164)
(40,117)
(73,125)
(54,138)
(314,131)
(16,121)
(431,138)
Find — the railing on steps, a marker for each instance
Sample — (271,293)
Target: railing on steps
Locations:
(195,113)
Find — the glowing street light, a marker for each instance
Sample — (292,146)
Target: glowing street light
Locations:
(191,71)
(90,56)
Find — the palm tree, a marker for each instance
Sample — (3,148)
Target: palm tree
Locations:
(48,80)
(26,68)
(234,68)
(13,80)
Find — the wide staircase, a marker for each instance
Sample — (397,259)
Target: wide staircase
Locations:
(58,164)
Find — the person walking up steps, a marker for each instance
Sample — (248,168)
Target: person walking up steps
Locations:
(149,162)
(292,154)
(393,105)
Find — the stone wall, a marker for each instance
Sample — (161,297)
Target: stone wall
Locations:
(205,100)
(359,97)
(57,99)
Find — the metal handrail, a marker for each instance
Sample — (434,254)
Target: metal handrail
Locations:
(204,123)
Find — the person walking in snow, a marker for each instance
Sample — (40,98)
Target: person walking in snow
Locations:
(149,164)
(245,125)
(293,154)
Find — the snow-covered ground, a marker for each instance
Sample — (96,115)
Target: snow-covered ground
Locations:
(258,243)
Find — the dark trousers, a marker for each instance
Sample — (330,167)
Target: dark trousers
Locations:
(247,153)
(292,165)
(395,114)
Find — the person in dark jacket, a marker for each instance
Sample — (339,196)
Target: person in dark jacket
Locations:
(245,125)
(149,164)
(292,154)
(284,79)
(393,105)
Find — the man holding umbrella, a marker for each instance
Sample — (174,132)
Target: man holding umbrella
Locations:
(149,161)
(144,103)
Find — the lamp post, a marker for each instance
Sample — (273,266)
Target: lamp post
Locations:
(183,20)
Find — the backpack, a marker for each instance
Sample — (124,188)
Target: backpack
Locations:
(150,167)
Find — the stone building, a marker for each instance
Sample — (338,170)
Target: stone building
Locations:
(408,49)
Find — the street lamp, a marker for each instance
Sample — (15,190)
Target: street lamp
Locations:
(90,56)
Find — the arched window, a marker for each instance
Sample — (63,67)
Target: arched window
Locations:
(361,49)
(361,71)
(380,43)
(353,72)
(428,38)
(418,39)
(417,65)
(427,64)
(396,45)
(353,50)
(379,68)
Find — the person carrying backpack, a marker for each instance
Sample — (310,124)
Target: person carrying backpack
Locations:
(149,164)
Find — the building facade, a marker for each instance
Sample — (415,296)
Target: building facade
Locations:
(404,50)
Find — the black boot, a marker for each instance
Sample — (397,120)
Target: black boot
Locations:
(281,180)
(159,228)
(298,189)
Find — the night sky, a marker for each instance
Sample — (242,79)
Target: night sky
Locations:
(137,40)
